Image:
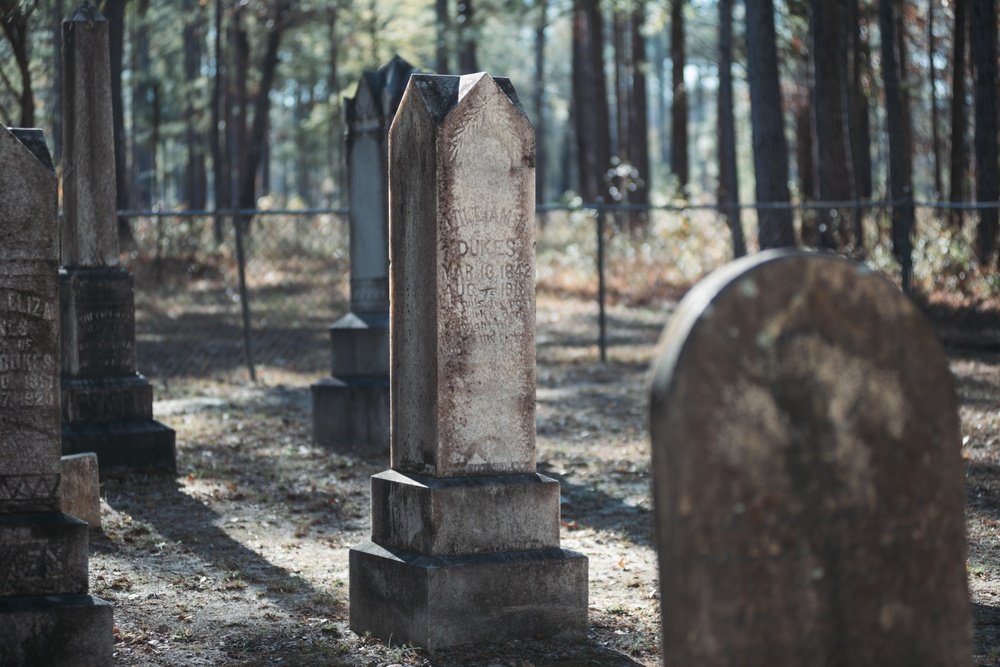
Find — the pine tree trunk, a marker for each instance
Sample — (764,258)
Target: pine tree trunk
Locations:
(827,21)
(770,148)
(466,38)
(541,128)
(590,98)
(902,214)
(932,84)
(958,163)
(678,112)
(639,127)
(984,48)
(728,174)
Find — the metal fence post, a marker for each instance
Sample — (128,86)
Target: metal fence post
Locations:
(244,296)
(601,316)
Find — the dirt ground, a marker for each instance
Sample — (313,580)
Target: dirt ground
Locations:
(242,558)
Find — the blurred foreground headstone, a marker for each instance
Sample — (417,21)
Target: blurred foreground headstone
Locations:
(808,481)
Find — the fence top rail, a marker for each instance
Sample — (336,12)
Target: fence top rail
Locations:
(590,206)
(197,213)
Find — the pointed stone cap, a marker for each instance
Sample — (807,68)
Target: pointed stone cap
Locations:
(379,92)
(441,93)
(86,12)
(28,191)
(34,140)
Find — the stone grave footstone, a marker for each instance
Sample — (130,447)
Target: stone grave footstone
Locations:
(80,488)
(351,407)
(465,534)
(46,615)
(107,406)
(808,480)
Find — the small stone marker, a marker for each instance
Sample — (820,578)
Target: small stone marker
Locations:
(808,481)
(351,408)
(107,407)
(465,533)
(46,616)
(80,488)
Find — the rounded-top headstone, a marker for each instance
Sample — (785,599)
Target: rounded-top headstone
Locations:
(808,481)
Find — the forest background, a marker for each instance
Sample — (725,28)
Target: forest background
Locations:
(239,103)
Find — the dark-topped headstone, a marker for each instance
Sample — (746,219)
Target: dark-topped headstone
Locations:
(46,616)
(808,481)
(351,408)
(107,407)
(465,534)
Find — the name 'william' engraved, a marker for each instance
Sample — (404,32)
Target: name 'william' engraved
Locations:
(480,214)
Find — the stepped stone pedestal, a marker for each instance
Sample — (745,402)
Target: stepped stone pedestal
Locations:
(107,407)
(465,534)
(46,616)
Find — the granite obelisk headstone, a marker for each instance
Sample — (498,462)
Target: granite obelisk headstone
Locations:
(46,616)
(465,534)
(808,480)
(351,408)
(107,407)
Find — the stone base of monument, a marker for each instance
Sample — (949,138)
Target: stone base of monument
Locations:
(437,602)
(46,616)
(465,560)
(56,631)
(142,444)
(351,408)
(107,407)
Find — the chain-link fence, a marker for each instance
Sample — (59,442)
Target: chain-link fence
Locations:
(189,318)
(188,301)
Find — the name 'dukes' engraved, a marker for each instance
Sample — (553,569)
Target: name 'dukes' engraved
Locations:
(487,247)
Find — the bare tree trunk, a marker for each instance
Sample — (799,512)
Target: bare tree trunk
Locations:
(195,181)
(57,78)
(262,105)
(466,38)
(902,214)
(142,167)
(541,134)
(335,159)
(15,25)
(678,111)
(728,174)
(984,48)
(770,148)
(441,25)
(932,85)
(216,138)
(958,164)
(858,115)
(593,138)
(639,127)
(827,23)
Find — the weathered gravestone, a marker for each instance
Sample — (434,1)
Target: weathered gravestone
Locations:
(46,616)
(351,408)
(107,407)
(465,534)
(808,481)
